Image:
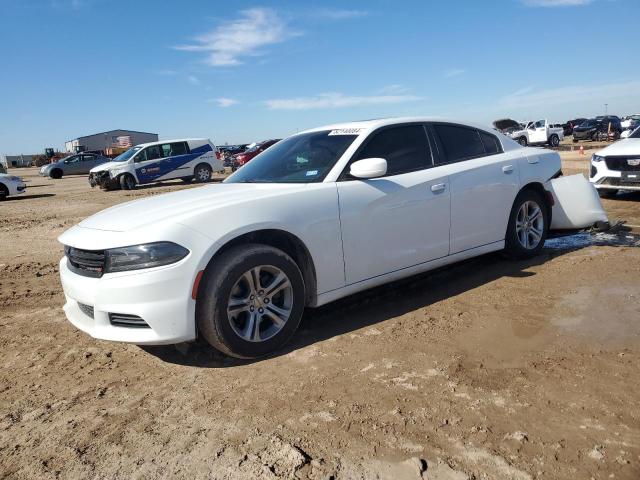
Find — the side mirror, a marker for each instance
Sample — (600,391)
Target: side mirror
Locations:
(369,168)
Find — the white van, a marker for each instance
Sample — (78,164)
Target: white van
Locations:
(188,159)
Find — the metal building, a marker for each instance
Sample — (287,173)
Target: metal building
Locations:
(107,140)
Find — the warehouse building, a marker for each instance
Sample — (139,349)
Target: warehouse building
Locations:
(106,141)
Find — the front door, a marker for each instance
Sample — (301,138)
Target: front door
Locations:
(401,219)
(539,132)
(147,161)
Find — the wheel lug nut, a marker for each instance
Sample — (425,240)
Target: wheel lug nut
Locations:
(251,308)
(252,297)
(266,300)
(261,292)
(260,310)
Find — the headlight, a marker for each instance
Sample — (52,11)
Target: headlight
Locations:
(596,158)
(148,255)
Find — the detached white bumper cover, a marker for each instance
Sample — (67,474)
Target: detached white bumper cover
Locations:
(577,204)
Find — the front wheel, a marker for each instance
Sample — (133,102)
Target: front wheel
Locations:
(127,182)
(4,192)
(250,301)
(528,225)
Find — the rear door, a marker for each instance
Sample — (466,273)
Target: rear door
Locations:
(72,165)
(89,160)
(484,182)
(399,220)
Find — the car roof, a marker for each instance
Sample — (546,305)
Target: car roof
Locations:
(366,126)
(188,140)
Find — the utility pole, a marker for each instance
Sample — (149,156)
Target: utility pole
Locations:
(606,108)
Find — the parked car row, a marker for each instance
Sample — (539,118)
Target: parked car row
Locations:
(540,132)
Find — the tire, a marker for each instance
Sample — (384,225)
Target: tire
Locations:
(575,140)
(523,141)
(127,182)
(56,173)
(607,193)
(554,141)
(202,173)
(227,278)
(519,240)
(4,192)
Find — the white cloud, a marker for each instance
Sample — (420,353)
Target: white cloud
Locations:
(224,102)
(394,89)
(335,100)
(228,43)
(528,97)
(193,80)
(556,3)
(454,72)
(338,14)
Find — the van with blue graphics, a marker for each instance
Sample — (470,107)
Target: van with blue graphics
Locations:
(189,159)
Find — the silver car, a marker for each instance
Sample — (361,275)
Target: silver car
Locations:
(73,165)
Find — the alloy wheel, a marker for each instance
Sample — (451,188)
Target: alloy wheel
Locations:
(529,225)
(260,303)
(204,174)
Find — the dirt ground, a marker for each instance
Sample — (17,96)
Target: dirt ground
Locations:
(490,369)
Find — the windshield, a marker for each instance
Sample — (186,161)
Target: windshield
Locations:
(589,123)
(123,157)
(303,158)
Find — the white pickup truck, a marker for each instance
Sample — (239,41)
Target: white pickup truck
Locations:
(538,133)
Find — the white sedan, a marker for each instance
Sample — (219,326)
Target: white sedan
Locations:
(318,216)
(11,185)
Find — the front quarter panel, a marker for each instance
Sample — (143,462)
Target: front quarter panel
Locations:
(310,212)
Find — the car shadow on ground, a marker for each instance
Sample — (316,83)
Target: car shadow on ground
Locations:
(174,183)
(397,298)
(29,197)
(371,307)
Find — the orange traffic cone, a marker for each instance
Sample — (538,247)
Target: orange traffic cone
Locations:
(581,150)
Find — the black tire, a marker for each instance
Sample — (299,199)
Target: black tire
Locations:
(4,192)
(554,141)
(608,193)
(127,182)
(202,173)
(523,141)
(575,140)
(56,173)
(513,243)
(221,277)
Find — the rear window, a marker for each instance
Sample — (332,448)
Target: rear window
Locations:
(459,143)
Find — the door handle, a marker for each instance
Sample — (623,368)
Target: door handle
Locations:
(532,159)
(438,187)
(507,168)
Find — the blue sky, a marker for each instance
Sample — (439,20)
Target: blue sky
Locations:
(242,71)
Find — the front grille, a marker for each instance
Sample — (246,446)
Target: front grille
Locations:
(86,309)
(621,164)
(125,320)
(89,263)
(616,182)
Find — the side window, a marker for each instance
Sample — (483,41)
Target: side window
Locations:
(153,152)
(167,151)
(88,158)
(458,142)
(74,159)
(540,124)
(179,148)
(404,148)
(490,142)
(141,156)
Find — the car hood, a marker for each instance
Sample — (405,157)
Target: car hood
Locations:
(179,207)
(107,166)
(626,147)
(507,124)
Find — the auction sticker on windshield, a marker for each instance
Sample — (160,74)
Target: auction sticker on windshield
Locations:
(346,131)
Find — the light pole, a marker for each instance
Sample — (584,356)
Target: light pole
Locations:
(606,108)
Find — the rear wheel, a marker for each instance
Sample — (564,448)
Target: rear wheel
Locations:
(554,141)
(522,141)
(528,225)
(250,301)
(56,173)
(127,182)
(202,173)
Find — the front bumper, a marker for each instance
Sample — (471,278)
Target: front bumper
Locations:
(604,178)
(161,297)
